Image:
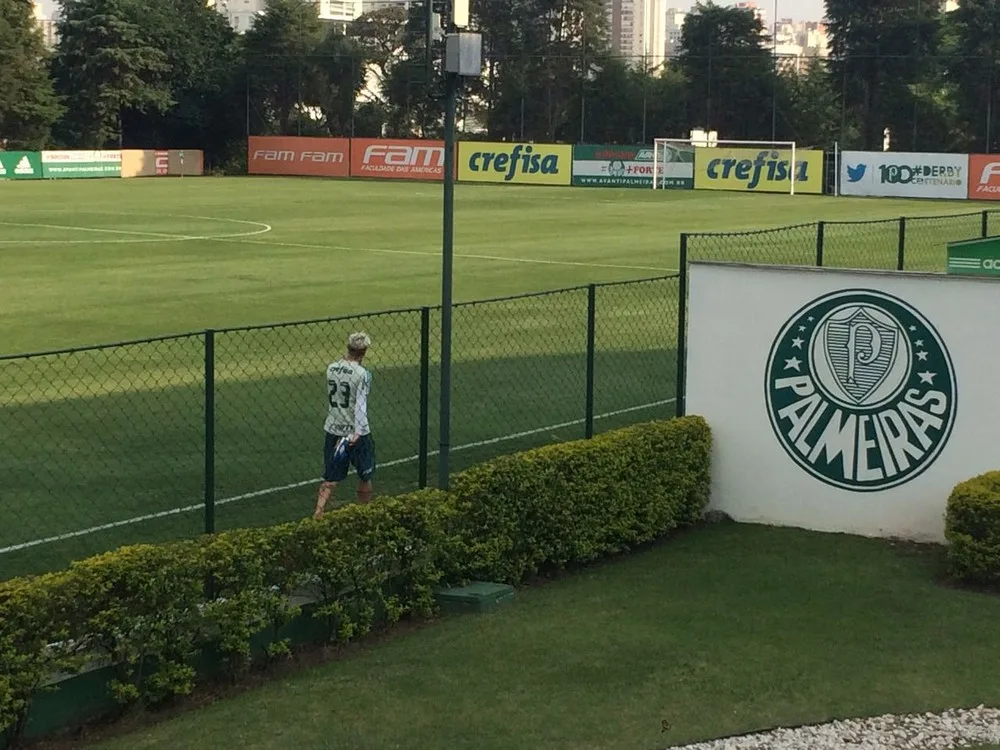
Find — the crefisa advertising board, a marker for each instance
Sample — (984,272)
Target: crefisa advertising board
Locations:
(841,400)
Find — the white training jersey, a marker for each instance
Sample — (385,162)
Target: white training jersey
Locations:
(347,388)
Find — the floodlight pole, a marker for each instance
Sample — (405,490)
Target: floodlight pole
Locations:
(463,57)
(447,252)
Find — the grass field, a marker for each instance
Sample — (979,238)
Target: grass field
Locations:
(105,437)
(724,630)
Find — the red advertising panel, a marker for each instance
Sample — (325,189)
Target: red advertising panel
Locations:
(162,161)
(292,155)
(398,160)
(984,177)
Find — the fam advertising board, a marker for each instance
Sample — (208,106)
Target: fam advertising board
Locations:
(888,174)
(984,177)
(81,164)
(632,166)
(849,401)
(298,156)
(20,165)
(515,163)
(758,170)
(397,159)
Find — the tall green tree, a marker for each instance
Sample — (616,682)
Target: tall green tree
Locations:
(28,104)
(810,107)
(972,52)
(881,52)
(730,71)
(205,80)
(280,52)
(542,58)
(106,63)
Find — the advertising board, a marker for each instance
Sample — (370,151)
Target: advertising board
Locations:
(984,177)
(298,156)
(515,163)
(757,170)
(20,165)
(397,159)
(848,401)
(61,165)
(978,257)
(888,174)
(632,166)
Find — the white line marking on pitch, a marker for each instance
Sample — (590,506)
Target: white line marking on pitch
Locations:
(423,253)
(141,236)
(296,485)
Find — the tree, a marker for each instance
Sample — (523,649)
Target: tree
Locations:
(204,78)
(381,35)
(28,104)
(341,65)
(880,50)
(106,64)
(731,73)
(280,60)
(972,44)
(542,58)
(810,107)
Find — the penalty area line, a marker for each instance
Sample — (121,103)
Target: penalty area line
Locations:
(306,482)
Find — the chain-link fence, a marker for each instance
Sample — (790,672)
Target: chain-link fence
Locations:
(170,437)
(915,243)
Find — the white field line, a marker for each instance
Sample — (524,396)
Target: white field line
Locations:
(296,485)
(472,256)
(139,236)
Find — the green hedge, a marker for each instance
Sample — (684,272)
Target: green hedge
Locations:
(149,610)
(972,528)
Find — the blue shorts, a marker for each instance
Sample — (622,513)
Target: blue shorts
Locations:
(361,456)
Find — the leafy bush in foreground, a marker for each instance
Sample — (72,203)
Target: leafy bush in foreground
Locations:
(972,528)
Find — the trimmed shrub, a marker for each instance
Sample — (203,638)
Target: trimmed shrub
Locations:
(149,610)
(972,528)
(575,502)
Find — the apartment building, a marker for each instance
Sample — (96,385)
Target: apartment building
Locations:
(638,30)
(241,13)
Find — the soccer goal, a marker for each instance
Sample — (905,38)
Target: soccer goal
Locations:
(674,160)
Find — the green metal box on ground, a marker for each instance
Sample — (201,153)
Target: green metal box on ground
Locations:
(478,596)
(979,257)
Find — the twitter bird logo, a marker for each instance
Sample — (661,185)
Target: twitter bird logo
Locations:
(855,174)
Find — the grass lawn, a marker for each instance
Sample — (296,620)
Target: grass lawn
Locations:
(96,440)
(724,630)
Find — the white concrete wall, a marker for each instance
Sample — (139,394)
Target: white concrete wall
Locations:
(803,437)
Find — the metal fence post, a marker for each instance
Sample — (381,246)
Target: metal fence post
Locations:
(985,232)
(591,337)
(425,372)
(209,431)
(681,325)
(820,240)
(901,253)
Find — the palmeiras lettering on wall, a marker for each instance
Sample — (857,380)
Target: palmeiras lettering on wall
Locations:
(860,390)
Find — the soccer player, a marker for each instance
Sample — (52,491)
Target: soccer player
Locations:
(348,385)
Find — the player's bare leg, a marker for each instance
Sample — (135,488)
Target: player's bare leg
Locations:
(365,492)
(325,491)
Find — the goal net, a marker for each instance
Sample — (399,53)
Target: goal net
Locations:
(674,160)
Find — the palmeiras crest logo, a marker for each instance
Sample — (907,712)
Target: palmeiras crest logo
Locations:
(860,390)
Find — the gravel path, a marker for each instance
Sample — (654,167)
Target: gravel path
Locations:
(956,728)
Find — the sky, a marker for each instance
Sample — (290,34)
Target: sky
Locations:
(800,10)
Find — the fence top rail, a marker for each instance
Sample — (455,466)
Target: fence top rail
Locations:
(752,232)
(99,347)
(331,319)
(315,321)
(849,222)
(632,282)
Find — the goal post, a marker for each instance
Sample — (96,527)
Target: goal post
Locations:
(666,150)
